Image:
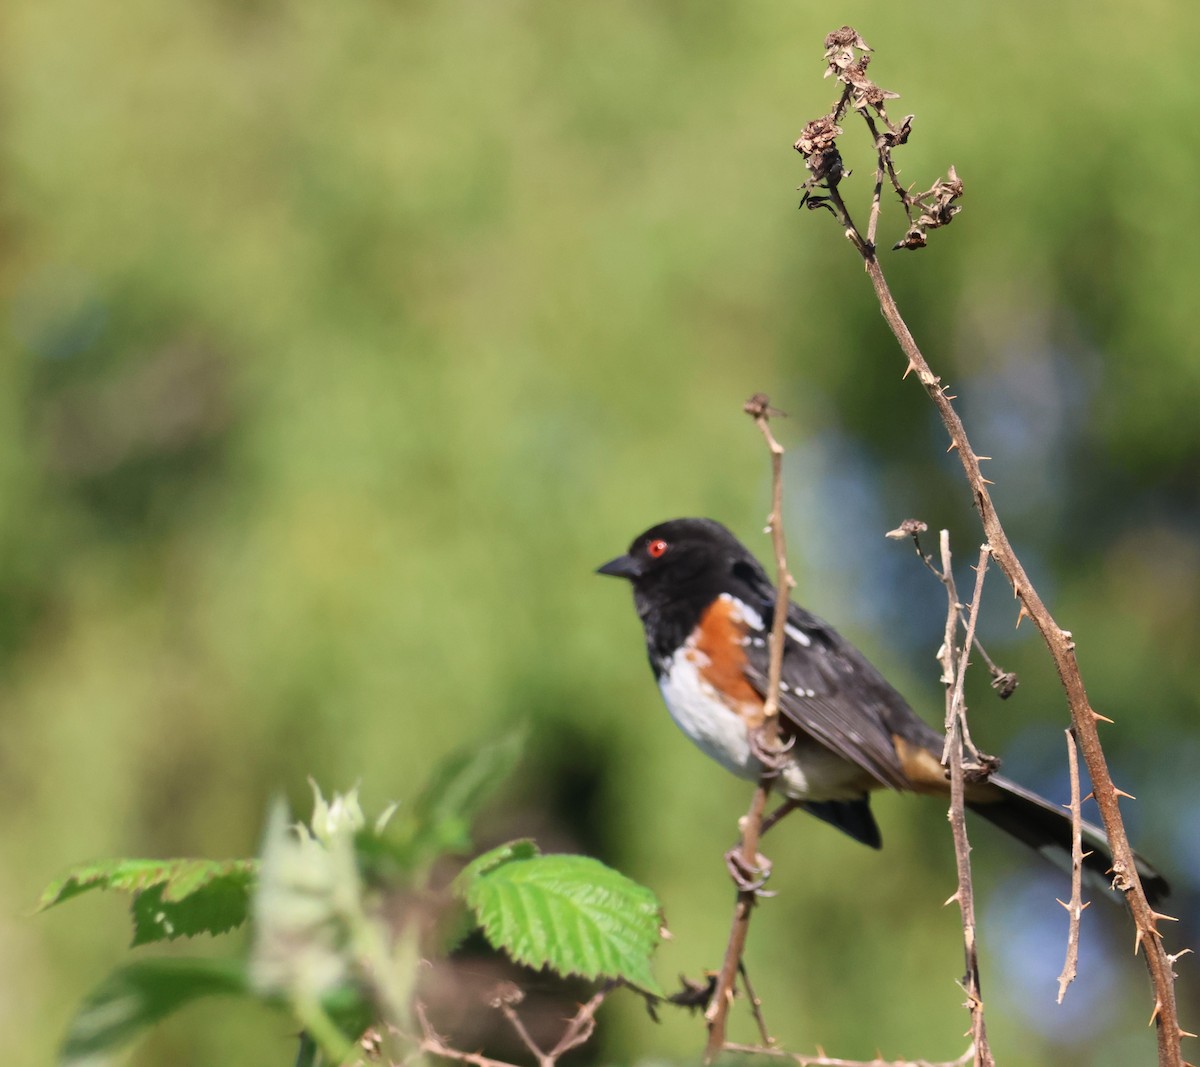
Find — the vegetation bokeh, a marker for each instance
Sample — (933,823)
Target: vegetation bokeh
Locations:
(343,341)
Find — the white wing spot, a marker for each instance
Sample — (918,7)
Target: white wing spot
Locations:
(745,613)
(797,635)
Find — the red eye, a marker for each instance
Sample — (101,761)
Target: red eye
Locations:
(656,548)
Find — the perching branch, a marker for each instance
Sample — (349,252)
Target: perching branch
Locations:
(758,408)
(847,61)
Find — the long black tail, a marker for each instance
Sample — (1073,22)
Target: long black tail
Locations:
(1046,828)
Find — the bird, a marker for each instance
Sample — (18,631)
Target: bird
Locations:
(707,608)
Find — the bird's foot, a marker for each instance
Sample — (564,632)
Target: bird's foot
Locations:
(748,877)
(771,752)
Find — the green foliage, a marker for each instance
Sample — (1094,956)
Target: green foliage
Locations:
(140,994)
(439,821)
(328,945)
(171,898)
(570,913)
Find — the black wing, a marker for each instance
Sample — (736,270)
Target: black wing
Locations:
(832,694)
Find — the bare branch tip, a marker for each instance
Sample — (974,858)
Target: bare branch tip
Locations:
(759,407)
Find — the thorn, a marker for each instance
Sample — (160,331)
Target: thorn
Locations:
(953,446)
(1022,614)
(1181,952)
(1100,718)
(1122,793)
(908,370)
(1137,945)
(1064,904)
(1158,915)
(1090,796)
(1184,1033)
(952,899)
(1155,1013)
(987,481)
(979,457)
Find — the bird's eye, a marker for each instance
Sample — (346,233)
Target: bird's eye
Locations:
(656,548)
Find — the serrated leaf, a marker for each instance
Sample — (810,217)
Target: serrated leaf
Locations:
(570,913)
(219,905)
(139,995)
(172,898)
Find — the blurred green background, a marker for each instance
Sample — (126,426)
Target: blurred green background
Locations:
(343,340)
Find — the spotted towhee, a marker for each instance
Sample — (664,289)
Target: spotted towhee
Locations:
(707,607)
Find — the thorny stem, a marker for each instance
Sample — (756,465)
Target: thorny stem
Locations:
(1057,640)
(1075,908)
(1062,650)
(954,661)
(1004,682)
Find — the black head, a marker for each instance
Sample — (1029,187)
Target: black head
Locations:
(677,569)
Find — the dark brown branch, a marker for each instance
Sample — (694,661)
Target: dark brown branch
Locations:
(1062,649)
(1058,641)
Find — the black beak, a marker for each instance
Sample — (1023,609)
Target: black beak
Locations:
(621,567)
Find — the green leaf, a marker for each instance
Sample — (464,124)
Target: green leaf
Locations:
(172,898)
(459,788)
(521,849)
(139,995)
(570,913)
(439,820)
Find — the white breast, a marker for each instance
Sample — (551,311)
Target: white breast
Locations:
(812,773)
(699,712)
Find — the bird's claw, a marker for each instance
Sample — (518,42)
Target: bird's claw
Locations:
(772,753)
(749,878)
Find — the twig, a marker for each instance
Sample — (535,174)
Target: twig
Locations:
(526,1038)
(756,1007)
(954,675)
(1004,682)
(578,1030)
(821,1060)
(433,1044)
(1075,908)
(1059,641)
(758,408)
(582,1024)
